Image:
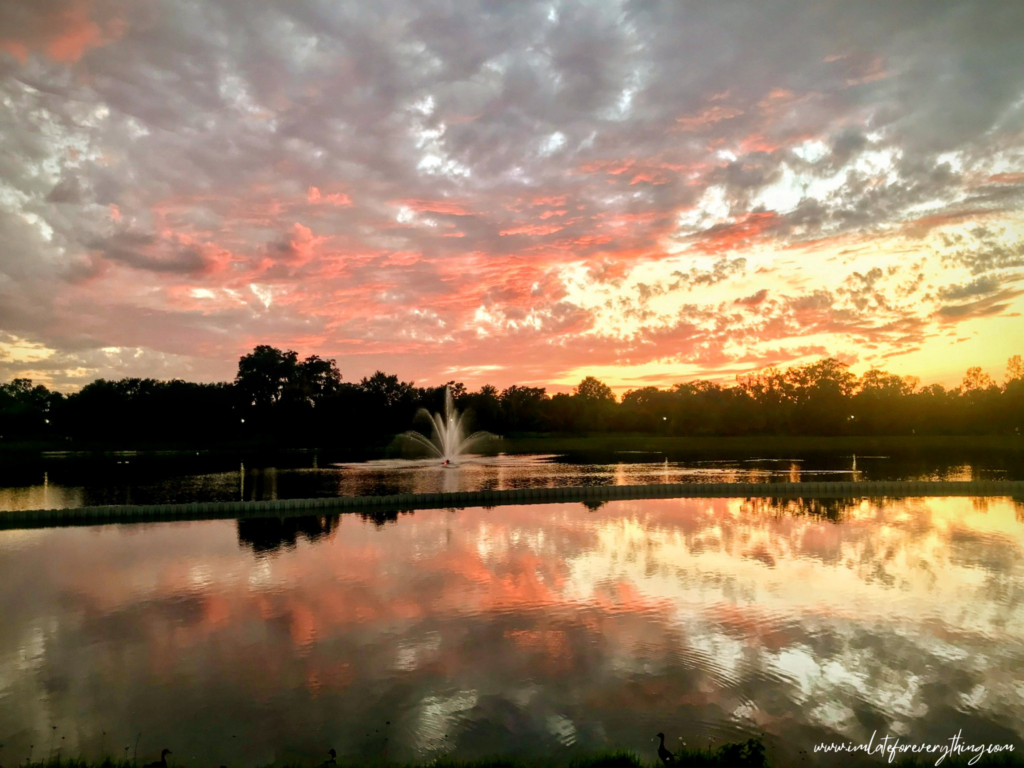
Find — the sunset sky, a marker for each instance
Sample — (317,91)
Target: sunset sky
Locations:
(510,192)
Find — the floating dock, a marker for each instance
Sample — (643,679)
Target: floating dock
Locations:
(376,505)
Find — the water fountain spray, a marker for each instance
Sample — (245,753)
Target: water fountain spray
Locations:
(447,440)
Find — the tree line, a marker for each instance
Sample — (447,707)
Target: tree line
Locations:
(279,397)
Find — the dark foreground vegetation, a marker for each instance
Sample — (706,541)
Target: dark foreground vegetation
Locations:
(279,398)
(750,754)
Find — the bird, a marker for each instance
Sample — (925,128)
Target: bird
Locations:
(334,757)
(666,756)
(162,762)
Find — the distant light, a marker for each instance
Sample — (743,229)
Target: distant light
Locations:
(243,421)
(664,418)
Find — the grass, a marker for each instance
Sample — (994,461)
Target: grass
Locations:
(747,754)
(600,442)
(761,444)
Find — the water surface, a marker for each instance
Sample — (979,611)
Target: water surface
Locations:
(516,630)
(131,478)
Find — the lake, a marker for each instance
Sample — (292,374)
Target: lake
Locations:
(74,480)
(518,630)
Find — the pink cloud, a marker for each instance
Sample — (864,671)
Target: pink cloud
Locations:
(335,198)
(531,229)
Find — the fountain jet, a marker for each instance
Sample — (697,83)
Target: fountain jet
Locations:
(447,439)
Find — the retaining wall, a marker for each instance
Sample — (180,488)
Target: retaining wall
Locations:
(38,518)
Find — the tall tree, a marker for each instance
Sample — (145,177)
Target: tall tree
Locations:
(594,391)
(1015,368)
(264,374)
(387,390)
(317,378)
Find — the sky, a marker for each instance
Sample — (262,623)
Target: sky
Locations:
(528,192)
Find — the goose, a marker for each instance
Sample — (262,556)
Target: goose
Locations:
(666,756)
(162,762)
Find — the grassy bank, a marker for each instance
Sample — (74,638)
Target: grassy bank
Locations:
(540,443)
(761,445)
(749,754)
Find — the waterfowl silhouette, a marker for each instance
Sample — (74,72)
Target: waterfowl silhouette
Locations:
(663,753)
(162,762)
(334,757)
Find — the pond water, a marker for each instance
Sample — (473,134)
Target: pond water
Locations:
(56,481)
(543,629)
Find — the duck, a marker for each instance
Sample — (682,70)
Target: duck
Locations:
(162,762)
(663,753)
(334,757)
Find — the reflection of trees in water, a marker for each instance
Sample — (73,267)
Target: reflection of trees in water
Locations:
(593,506)
(980,503)
(381,516)
(830,509)
(270,534)
(1018,506)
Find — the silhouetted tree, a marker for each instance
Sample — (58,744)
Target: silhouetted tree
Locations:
(264,374)
(592,390)
(486,406)
(387,390)
(316,379)
(595,405)
(646,410)
(521,407)
(1014,368)
(25,409)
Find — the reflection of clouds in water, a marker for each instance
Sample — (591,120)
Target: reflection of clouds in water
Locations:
(200,577)
(562,729)
(876,601)
(490,546)
(541,624)
(439,717)
(261,575)
(413,653)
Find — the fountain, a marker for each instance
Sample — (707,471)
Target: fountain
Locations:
(447,440)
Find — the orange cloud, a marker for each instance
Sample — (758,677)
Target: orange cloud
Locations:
(531,229)
(709,116)
(64,31)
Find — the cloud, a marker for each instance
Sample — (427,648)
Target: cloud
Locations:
(986,307)
(754,299)
(604,181)
(979,287)
(147,252)
(62,29)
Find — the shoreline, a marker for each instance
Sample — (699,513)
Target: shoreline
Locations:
(546,443)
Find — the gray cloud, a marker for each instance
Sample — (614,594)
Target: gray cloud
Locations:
(982,286)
